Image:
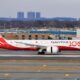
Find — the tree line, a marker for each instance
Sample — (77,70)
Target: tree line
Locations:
(38,24)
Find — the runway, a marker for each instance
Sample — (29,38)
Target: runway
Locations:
(11,52)
(32,55)
(39,57)
(34,67)
(39,69)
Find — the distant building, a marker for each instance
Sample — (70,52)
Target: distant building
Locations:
(46,34)
(31,15)
(20,15)
(38,15)
(78,33)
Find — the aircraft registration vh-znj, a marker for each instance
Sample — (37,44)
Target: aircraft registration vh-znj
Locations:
(42,46)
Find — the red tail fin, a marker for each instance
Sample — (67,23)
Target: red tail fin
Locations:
(2,40)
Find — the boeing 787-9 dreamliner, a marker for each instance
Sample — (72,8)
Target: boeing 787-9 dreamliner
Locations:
(42,46)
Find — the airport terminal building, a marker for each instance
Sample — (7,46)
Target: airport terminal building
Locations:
(38,34)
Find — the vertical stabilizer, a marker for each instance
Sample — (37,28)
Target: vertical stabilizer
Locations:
(2,40)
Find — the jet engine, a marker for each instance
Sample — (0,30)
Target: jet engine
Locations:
(52,50)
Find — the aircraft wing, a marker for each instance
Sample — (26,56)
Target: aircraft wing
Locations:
(31,44)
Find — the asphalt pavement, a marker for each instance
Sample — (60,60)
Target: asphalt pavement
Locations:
(12,69)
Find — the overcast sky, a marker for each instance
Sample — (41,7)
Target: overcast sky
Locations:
(48,8)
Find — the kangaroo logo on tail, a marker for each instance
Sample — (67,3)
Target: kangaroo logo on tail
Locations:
(2,40)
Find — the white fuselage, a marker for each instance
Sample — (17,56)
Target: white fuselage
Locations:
(44,43)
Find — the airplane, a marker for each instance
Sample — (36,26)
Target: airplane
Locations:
(42,46)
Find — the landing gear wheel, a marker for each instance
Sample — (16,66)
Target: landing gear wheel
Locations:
(41,53)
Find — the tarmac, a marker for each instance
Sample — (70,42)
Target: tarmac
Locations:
(63,67)
(39,69)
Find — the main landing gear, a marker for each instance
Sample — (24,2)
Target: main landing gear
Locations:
(41,51)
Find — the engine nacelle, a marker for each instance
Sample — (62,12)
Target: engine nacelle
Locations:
(52,50)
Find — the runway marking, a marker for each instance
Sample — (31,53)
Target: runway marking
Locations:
(39,57)
(66,56)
